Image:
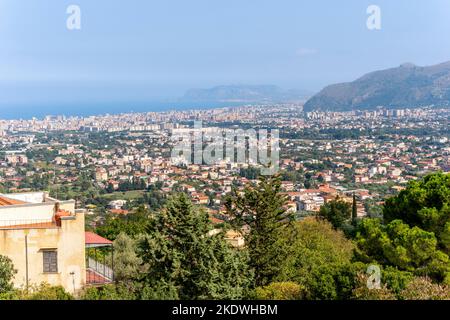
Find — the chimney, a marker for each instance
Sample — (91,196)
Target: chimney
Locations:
(56,207)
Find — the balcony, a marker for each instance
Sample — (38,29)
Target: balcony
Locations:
(99,271)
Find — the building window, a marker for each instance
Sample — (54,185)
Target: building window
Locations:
(50,261)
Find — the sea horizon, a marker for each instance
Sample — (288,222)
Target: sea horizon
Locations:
(85,109)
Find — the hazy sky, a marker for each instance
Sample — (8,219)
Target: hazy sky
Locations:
(148,49)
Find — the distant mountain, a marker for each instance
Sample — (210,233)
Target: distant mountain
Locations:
(406,86)
(245,94)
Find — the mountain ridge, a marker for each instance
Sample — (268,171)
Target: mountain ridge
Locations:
(408,85)
(245,94)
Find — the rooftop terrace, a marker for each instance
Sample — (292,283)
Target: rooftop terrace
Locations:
(33,210)
(25,198)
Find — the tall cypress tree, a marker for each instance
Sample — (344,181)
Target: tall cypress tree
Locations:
(184,259)
(354,210)
(261,207)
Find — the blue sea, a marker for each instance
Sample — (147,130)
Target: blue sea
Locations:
(39,111)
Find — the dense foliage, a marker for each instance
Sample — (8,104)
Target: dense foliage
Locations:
(315,252)
(7,272)
(424,204)
(409,249)
(261,208)
(175,252)
(187,261)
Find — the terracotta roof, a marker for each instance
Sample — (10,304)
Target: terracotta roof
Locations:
(4,201)
(311,191)
(215,220)
(119,211)
(92,238)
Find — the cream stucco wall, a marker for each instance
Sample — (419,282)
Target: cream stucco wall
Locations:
(68,240)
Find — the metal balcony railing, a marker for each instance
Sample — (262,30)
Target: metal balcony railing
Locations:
(27,224)
(98,273)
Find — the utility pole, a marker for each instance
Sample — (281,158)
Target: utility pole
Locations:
(73,281)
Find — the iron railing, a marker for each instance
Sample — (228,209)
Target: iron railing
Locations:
(27,224)
(98,273)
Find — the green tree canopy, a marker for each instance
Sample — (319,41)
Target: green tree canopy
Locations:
(7,273)
(44,291)
(261,207)
(338,212)
(186,261)
(425,204)
(280,291)
(334,281)
(126,262)
(397,244)
(320,260)
(110,292)
(315,243)
(132,224)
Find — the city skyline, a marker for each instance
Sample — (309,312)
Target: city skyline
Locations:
(151,52)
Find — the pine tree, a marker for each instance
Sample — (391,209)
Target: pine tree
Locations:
(261,208)
(181,255)
(338,212)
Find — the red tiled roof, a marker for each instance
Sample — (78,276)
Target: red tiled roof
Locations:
(119,211)
(92,238)
(311,191)
(215,220)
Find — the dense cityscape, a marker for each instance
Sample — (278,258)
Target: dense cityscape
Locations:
(120,170)
(119,158)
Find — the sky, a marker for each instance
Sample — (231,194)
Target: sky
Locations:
(151,50)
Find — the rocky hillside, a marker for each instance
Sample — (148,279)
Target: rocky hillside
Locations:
(406,86)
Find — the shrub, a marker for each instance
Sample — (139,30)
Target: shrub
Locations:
(422,288)
(280,291)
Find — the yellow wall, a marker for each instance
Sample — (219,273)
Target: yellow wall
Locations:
(69,240)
